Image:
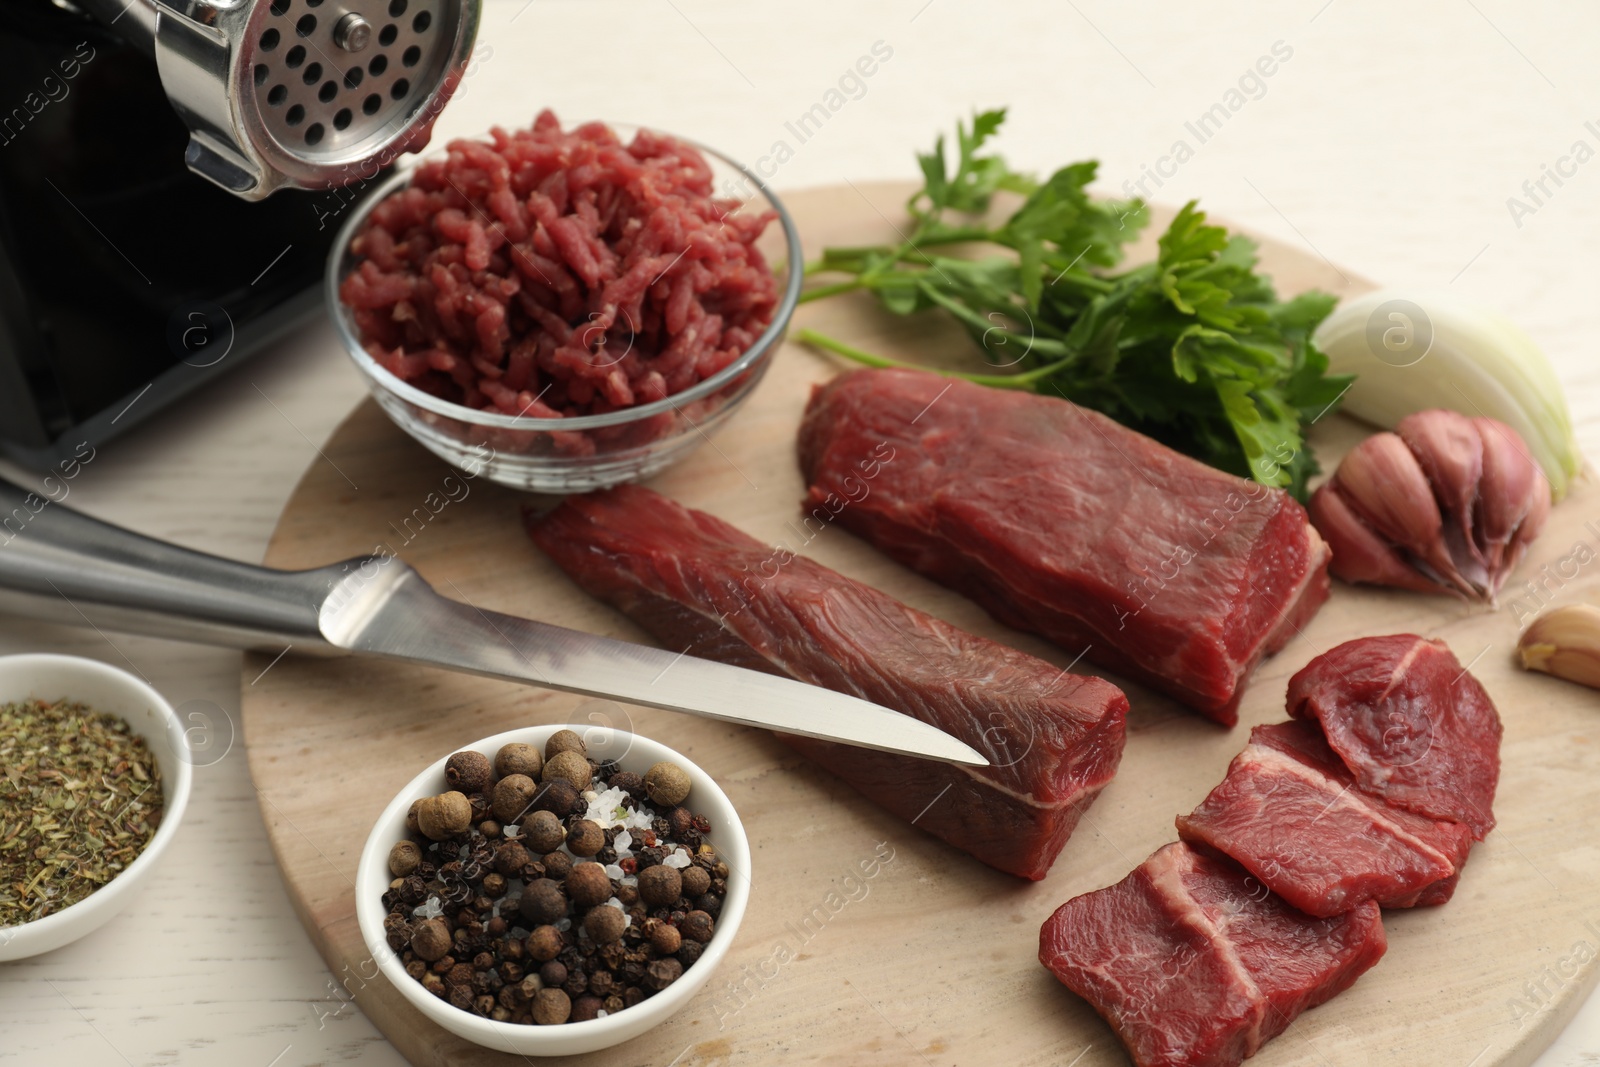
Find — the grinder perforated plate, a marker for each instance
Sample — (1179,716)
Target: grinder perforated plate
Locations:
(334,80)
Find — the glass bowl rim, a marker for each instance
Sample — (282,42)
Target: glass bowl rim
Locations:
(473,416)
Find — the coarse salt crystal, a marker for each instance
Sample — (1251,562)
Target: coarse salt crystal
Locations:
(679,859)
(624,842)
(564,924)
(428,909)
(601,1014)
(613,871)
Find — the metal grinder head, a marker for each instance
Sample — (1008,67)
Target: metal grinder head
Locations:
(313,94)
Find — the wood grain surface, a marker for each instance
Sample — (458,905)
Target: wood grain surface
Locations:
(933,959)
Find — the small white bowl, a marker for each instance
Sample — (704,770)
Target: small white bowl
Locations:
(104,688)
(632,752)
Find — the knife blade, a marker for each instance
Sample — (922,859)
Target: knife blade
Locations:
(63,566)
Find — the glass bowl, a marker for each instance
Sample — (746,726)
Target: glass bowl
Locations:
(575,455)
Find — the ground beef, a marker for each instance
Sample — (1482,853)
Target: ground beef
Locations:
(555,273)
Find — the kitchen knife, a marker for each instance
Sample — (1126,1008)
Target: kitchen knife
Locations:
(59,565)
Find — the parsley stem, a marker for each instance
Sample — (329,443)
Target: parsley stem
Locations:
(1025,380)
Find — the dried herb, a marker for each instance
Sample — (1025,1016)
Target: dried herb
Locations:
(80,798)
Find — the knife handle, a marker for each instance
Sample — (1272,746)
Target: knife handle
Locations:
(59,565)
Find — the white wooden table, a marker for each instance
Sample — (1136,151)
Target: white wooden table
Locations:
(1388,138)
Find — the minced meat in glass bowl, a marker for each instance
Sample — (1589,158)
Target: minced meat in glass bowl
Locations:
(562,310)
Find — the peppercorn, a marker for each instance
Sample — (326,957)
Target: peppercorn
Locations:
(660,886)
(468,771)
(543,903)
(696,926)
(416,968)
(411,818)
(481,805)
(568,767)
(427,868)
(494,887)
(588,885)
(663,973)
(518,758)
(709,903)
(585,838)
(690,952)
(486,982)
(446,814)
(544,943)
(605,924)
(603,983)
(680,820)
(431,939)
(695,881)
(434,984)
(666,939)
(667,784)
(482,1004)
(512,795)
(633,996)
(564,741)
(558,865)
(630,783)
(529,987)
(442,965)
(628,895)
(542,831)
(720,870)
(553,973)
(404,858)
(576,983)
(413,890)
(500,1014)
(551,1007)
(584,1009)
(489,828)
(510,972)
(460,974)
(557,797)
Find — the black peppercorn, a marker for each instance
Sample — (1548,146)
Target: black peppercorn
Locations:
(606,855)
(709,903)
(628,782)
(553,973)
(614,1004)
(416,969)
(433,984)
(558,798)
(575,983)
(633,996)
(413,890)
(663,973)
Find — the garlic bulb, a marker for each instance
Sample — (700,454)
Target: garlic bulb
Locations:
(1414,351)
(1445,504)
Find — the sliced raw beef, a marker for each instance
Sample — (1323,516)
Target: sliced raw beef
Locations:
(1291,813)
(1411,724)
(1059,521)
(699,584)
(1195,965)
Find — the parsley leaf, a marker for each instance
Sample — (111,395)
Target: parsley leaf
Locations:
(1194,349)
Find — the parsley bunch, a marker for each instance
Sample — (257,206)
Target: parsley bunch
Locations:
(1194,349)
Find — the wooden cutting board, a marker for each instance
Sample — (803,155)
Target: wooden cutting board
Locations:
(932,961)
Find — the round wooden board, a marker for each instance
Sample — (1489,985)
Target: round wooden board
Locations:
(933,959)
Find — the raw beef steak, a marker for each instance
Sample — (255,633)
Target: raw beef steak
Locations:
(1291,813)
(701,585)
(1411,724)
(1059,521)
(1194,964)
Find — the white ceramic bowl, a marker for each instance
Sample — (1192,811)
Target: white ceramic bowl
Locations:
(104,688)
(634,753)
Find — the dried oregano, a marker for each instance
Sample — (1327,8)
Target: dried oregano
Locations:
(80,798)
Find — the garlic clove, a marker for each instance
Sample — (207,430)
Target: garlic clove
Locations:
(1565,642)
(1384,485)
(1513,498)
(1450,451)
(1359,555)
